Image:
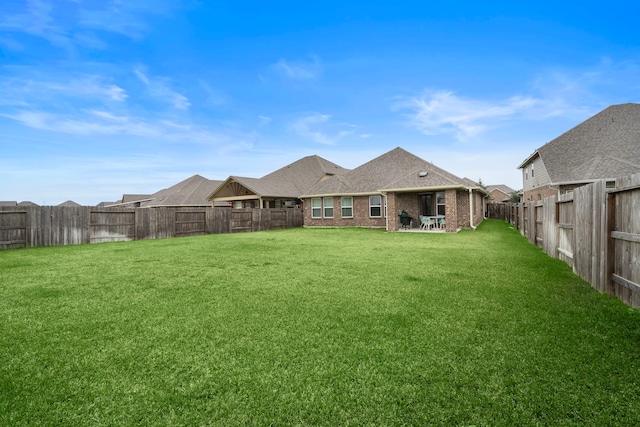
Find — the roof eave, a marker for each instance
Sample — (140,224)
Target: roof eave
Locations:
(528,159)
(582,181)
(366,193)
(419,189)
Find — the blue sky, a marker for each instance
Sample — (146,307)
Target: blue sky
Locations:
(103,97)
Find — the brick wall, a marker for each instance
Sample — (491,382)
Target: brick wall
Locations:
(539,193)
(360,215)
(451,210)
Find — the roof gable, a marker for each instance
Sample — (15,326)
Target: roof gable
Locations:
(290,181)
(394,170)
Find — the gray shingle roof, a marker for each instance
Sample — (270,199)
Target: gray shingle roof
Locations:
(395,170)
(290,181)
(192,191)
(605,146)
(500,187)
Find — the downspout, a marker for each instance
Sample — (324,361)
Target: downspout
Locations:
(471,209)
(384,205)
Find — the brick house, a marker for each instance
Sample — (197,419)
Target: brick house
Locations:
(499,193)
(605,146)
(375,193)
(279,189)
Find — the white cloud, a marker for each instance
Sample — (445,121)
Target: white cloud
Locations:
(98,122)
(159,88)
(554,93)
(264,120)
(298,70)
(318,128)
(28,89)
(440,112)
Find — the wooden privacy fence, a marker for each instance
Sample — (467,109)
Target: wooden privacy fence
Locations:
(67,225)
(594,229)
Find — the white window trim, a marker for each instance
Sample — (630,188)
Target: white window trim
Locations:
(326,206)
(380,206)
(343,206)
(316,208)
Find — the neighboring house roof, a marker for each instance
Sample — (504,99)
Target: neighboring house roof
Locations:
(290,181)
(606,146)
(500,187)
(192,192)
(8,203)
(27,203)
(69,203)
(500,192)
(132,198)
(393,171)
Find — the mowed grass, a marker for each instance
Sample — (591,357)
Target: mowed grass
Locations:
(312,327)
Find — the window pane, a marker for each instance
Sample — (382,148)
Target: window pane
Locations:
(347,207)
(328,207)
(316,208)
(375,206)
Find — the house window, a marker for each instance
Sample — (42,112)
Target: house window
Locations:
(440,203)
(432,204)
(375,206)
(327,203)
(532,174)
(316,208)
(347,207)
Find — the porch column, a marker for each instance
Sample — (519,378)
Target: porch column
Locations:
(451,210)
(392,215)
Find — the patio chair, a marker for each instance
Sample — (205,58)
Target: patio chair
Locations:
(426,222)
(441,223)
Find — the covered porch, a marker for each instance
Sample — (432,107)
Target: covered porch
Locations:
(442,209)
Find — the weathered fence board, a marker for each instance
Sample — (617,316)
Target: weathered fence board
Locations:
(566,223)
(594,229)
(626,238)
(57,225)
(13,229)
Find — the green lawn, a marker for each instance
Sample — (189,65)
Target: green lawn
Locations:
(312,327)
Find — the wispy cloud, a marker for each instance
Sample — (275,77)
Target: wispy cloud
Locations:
(298,69)
(159,88)
(70,23)
(438,112)
(568,93)
(264,120)
(58,91)
(319,128)
(100,123)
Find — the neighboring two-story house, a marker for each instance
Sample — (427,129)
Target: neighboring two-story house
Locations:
(606,146)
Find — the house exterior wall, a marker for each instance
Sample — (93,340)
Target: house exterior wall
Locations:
(451,210)
(539,193)
(456,208)
(360,217)
(535,175)
(462,218)
(498,196)
(536,187)
(479,207)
